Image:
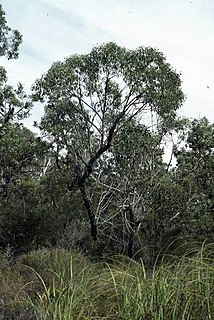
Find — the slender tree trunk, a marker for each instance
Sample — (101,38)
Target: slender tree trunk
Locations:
(132,232)
(91,215)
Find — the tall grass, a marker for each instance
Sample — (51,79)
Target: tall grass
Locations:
(58,285)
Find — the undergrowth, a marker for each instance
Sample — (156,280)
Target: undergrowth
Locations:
(61,285)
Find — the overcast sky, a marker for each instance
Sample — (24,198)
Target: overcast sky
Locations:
(54,29)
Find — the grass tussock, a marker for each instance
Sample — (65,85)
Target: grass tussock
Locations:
(60,285)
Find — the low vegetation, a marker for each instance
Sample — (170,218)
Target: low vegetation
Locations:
(57,284)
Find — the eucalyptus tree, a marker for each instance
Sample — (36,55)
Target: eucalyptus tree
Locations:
(88,98)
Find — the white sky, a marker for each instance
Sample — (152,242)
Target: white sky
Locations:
(53,29)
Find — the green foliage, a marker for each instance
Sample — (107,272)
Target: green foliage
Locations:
(201,137)
(21,162)
(20,149)
(87,95)
(14,103)
(194,173)
(105,83)
(9,39)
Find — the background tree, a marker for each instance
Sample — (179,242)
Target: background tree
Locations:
(22,156)
(194,175)
(22,161)
(13,102)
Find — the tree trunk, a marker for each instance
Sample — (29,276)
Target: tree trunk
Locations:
(91,215)
(132,232)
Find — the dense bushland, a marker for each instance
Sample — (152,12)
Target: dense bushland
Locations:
(95,180)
